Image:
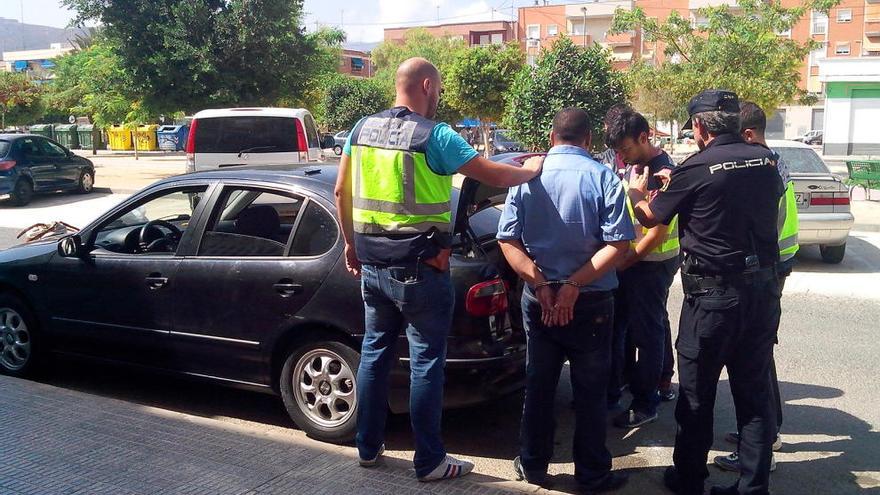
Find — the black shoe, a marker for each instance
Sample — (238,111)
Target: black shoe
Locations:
(610,482)
(673,482)
(724,490)
(633,419)
(667,394)
(539,479)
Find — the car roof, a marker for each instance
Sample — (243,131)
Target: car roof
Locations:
(11,136)
(252,112)
(784,143)
(320,179)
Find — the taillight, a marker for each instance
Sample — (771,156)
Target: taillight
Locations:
(303,145)
(7,164)
(829,198)
(487,298)
(191,138)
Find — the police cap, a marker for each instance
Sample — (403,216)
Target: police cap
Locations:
(712,100)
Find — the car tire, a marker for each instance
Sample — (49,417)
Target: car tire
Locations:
(319,389)
(86,182)
(19,339)
(22,194)
(337,150)
(832,254)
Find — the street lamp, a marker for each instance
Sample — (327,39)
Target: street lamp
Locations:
(584,10)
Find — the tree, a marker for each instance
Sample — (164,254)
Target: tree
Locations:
(649,87)
(190,54)
(566,75)
(477,81)
(738,49)
(441,51)
(348,99)
(20,99)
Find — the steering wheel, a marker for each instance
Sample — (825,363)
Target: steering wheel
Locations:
(149,242)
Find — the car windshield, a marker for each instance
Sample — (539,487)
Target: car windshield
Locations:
(249,133)
(4,147)
(501,136)
(802,160)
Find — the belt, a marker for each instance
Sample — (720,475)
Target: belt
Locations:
(693,283)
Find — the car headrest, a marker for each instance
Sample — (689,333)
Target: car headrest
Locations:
(258,221)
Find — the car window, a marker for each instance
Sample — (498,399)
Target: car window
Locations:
(51,149)
(312,132)
(256,134)
(802,160)
(250,222)
(122,232)
(30,148)
(316,234)
(4,147)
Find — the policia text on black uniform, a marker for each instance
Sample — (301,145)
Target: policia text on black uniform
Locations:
(726,197)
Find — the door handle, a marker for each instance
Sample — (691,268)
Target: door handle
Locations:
(156,281)
(287,289)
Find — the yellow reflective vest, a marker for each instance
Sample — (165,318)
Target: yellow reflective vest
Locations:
(670,246)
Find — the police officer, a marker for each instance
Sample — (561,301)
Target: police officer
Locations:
(393,197)
(753,122)
(727,198)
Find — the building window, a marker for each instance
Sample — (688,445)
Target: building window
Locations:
(530,59)
(497,38)
(578,28)
(552,30)
(784,34)
(818,54)
(484,39)
(533,31)
(841,49)
(699,22)
(819,24)
(844,15)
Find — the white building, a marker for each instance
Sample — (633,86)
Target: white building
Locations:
(852,105)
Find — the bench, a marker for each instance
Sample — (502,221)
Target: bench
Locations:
(864,174)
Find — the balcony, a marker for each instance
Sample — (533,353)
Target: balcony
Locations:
(593,10)
(702,4)
(620,39)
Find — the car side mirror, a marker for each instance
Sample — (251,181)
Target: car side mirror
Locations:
(328,141)
(71,247)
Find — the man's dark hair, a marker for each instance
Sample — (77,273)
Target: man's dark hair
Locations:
(752,117)
(571,125)
(718,122)
(627,124)
(614,111)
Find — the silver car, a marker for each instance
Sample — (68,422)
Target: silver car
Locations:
(823,200)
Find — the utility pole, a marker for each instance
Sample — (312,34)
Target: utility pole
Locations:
(342,20)
(584,10)
(438,14)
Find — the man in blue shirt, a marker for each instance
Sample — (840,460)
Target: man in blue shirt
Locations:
(563,232)
(400,246)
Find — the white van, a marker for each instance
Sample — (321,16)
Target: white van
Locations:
(232,137)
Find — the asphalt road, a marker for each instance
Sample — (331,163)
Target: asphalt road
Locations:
(826,358)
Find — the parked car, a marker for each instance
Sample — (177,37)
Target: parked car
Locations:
(503,143)
(31,164)
(339,139)
(249,288)
(823,200)
(253,136)
(812,137)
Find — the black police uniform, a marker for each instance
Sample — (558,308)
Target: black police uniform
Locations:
(726,197)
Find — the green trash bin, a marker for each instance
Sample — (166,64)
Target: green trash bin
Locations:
(67,136)
(47,130)
(85,137)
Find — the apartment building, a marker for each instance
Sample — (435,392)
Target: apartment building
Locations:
(356,63)
(37,64)
(585,23)
(474,33)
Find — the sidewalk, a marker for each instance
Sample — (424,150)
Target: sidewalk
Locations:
(62,441)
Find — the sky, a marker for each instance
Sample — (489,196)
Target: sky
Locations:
(362,20)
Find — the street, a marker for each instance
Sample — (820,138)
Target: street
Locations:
(173,435)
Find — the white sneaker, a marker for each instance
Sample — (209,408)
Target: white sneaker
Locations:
(372,462)
(448,469)
(731,462)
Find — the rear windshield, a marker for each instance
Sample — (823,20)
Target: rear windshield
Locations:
(4,147)
(802,160)
(236,134)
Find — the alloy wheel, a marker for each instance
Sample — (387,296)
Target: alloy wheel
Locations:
(15,340)
(324,388)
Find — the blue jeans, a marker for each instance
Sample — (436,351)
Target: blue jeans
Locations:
(586,343)
(416,298)
(642,321)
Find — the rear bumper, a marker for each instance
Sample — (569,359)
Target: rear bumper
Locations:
(824,228)
(468,381)
(7,184)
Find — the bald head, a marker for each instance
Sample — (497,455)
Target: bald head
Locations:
(418,86)
(413,72)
